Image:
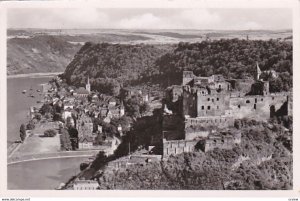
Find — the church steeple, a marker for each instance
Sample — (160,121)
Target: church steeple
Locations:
(88,86)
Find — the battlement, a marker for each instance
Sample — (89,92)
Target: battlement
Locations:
(210,121)
(178,146)
(219,141)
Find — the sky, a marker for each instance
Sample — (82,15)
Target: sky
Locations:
(156,18)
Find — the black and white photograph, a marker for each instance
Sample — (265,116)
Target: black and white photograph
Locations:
(149,98)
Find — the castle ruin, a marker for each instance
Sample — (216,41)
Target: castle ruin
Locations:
(205,105)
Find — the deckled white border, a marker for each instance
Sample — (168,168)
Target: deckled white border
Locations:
(294,4)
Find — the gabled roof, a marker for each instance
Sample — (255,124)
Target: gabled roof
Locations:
(86,139)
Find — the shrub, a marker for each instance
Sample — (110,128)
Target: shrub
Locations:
(50,133)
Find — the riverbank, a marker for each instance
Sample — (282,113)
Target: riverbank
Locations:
(33,75)
(18,104)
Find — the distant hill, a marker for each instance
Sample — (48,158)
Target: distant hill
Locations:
(118,61)
(43,53)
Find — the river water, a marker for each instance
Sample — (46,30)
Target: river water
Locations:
(42,174)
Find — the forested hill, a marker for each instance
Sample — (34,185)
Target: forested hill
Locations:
(118,61)
(231,57)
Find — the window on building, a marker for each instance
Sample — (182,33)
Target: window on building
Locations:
(217,99)
(217,107)
(239,106)
(219,86)
(262,99)
(272,98)
(212,100)
(247,101)
(254,106)
(208,107)
(208,99)
(255,100)
(202,107)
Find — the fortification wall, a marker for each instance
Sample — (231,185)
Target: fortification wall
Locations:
(194,133)
(178,146)
(210,121)
(212,105)
(221,143)
(258,107)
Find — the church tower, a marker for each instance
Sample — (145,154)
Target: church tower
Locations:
(88,86)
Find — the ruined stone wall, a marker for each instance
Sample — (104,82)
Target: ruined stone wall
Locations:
(212,104)
(178,146)
(224,86)
(194,133)
(210,121)
(243,86)
(258,107)
(187,77)
(218,142)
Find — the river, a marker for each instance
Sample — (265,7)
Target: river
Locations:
(42,174)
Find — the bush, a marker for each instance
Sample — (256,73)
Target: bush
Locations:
(50,133)
(30,126)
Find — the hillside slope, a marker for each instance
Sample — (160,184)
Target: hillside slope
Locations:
(118,61)
(41,53)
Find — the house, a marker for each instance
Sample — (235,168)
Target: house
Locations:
(95,98)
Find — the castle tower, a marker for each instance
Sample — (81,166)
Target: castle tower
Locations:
(257,72)
(88,86)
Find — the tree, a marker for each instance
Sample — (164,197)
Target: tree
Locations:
(46,108)
(22,132)
(65,140)
(57,117)
(144,108)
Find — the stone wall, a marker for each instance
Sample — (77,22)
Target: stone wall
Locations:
(178,146)
(219,141)
(258,107)
(210,121)
(212,104)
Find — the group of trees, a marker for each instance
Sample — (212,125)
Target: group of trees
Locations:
(135,106)
(216,169)
(164,64)
(116,61)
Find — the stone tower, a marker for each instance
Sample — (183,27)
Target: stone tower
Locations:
(88,86)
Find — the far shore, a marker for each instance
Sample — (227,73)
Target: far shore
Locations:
(34,75)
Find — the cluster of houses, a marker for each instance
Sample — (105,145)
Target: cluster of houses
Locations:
(80,105)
